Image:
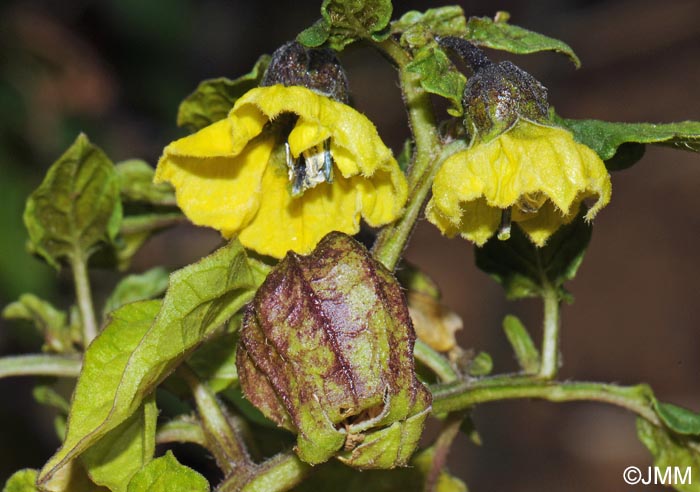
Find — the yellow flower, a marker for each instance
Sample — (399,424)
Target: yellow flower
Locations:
(285,167)
(532,174)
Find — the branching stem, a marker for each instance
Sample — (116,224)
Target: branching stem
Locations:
(83,295)
(466,394)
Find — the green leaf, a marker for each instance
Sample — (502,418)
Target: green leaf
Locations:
(46,395)
(418,29)
(22,481)
(166,474)
(215,362)
(346,21)
(622,144)
(678,419)
(481,365)
(135,352)
(115,458)
(499,35)
(136,184)
(525,270)
(137,287)
(525,351)
(49,321)
(672,452)
(76,207)
(213,99)
(439,76)
(316,35)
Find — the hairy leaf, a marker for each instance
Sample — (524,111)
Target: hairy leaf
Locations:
(346,21)
(50,322)
(622,144)
(135,352)
(166,474)
(672,452)
(213,99)
(137,287)
(678,419)
(439,76)
(115,458)
(76,207)
(500,35)
(136,184)
(22,481)
(419,28)
(525,270)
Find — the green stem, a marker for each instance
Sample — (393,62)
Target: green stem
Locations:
(40,365)
(550,339)
(463,395)
(183,429)
(83,294)
(222,438)
(392,240)
(435,362)
(278,474)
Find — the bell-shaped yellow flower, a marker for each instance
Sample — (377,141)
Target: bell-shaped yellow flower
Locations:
(286,167)
(532,174)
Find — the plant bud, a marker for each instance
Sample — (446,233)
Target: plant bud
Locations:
(316,69)
(326,351)
(498,94)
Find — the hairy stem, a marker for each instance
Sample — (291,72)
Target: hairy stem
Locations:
(550,339)
(223,439)
(182,429)
(392,240)
(463,395)
(40,365)
(279,473)
(83,294)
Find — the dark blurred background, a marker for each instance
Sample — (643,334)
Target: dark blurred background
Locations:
(117,70)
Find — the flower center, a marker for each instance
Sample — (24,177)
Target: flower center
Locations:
(504,227)
(314,166)
(530,203)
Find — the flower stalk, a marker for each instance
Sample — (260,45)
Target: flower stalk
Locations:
(550,359)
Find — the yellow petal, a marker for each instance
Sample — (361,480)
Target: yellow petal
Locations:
(219,192)
(211,141)
(306,135)
(225,177)
(350,130)
(528,159)
(382,196)
(540,226)
(286,223)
